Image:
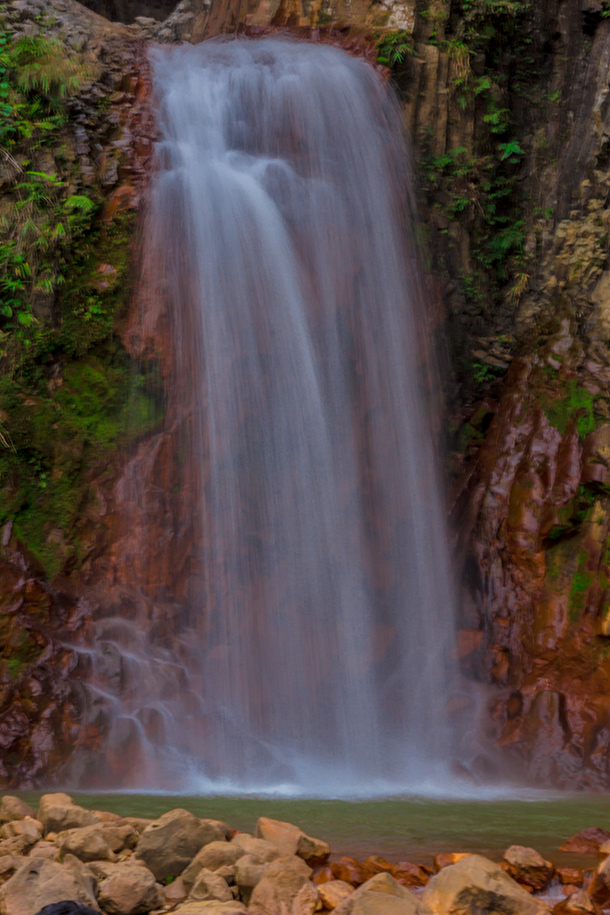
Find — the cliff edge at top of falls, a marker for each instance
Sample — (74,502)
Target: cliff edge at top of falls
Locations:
(507,106)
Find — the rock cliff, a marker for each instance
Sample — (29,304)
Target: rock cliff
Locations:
(507,104)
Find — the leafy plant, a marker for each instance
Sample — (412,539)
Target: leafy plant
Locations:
(394,47)
(483,373)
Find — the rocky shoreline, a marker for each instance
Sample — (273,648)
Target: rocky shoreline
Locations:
(195,866)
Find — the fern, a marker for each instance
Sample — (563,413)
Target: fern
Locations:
(39,64)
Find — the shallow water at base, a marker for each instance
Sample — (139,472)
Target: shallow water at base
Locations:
(396,828)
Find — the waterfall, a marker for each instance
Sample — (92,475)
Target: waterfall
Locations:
(314,652)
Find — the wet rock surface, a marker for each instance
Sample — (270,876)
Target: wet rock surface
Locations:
(274,883)
(475,884)
(537,525)
(532,501)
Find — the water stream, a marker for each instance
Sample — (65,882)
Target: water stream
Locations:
(316,652)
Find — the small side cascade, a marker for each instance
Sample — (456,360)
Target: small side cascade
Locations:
(312,652)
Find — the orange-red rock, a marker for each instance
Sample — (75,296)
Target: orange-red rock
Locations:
(587,841)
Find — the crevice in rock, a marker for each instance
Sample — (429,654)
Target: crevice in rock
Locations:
(129,10)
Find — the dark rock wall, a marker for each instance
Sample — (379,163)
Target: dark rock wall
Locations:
(128,10)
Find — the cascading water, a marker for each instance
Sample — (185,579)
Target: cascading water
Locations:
(316,654)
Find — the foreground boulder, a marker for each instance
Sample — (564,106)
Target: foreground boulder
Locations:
(170,843)
(58,812)
(212,908)
(87,843)
(248,874)
(528,867)
(13,808)
(475,886)
(263,851)
(334,892)
(209,886)
(39,882)
(382,895)
(599,888)
(578,903)
(28,827)
(290,840)
(282,882)
(214,857)
(130,891)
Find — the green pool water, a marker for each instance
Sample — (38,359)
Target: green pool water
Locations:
(411,828)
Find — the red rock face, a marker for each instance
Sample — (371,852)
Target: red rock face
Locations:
(43,624)
(536,556)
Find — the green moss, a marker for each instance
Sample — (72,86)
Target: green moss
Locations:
(578,404)
(102,407)
(94,300)
(14,666)
(71,399)
(580,585)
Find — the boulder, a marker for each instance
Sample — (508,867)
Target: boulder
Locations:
(27,826)
(248,873)
(378,864)
(39,882)
(406,873)
(587,841)
(527,866)
(306,901)
(578,903)
(175,892)
(227,872)
(599,888)
(214,856)
(223,828)
(120,836)
(351,871)
(382,895)
(17,845)
(334,892)
(409,874)
(290,840)
(137,823)
(449,857)
(13,808)
(58,812)
(8,865)
(259,848)
(130,891)
(107,816)
(209,885)
(323,874)
(570,875)
(44,849)
(281,883)
(103,869)
(87,843)
(476,886)
(212,907)
(170,843)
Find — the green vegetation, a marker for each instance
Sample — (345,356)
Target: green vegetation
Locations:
(393,48)
(578,404)
(476,185)
(580,585)
(70,397)
(20,648)
(483,373)
(47,217)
